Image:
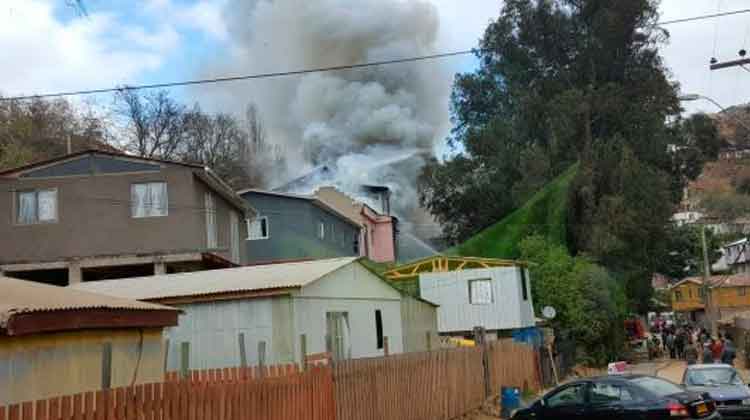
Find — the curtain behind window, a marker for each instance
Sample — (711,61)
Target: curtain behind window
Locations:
(27,207)
(47,205)
(138,193)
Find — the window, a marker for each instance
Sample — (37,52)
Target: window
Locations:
(690,293)
(379,328)
(524,284)
(603,393)
(257,229)
(480,291)
(211,236)
(36,206)
(321,230)
(742,291)
(149,199)
(677,296)
(234,235)
(572,395)
(338,338)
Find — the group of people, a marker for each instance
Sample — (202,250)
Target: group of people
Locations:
(694,345)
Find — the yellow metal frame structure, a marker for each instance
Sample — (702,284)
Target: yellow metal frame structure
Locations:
(443,263)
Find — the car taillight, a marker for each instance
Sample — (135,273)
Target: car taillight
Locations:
(677,410)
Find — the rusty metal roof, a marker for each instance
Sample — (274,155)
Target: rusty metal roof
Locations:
(213,282)
(25,297)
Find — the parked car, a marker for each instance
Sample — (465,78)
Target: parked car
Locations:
(626,397)
(724,384)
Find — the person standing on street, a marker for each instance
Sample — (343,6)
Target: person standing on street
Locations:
(707,354)
(729,352)
(716,349)
(679,343)
(691,354)
(669,342)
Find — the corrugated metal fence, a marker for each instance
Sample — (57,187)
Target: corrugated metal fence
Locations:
(437,385)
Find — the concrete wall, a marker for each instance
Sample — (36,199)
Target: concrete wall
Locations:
(293,230)
(94,217)
(213,330)
(356,291)
(456,314)
(418,319)
(46,365)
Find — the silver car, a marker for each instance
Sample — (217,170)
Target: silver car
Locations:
(725,386)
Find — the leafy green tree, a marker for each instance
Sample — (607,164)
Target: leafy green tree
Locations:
(573,80)
(590,304)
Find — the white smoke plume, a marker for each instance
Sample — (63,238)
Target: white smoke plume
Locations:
(355,120)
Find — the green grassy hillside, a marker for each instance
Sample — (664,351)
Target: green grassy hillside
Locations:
(544,214)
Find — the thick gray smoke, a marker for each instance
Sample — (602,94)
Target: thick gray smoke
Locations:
(351,119)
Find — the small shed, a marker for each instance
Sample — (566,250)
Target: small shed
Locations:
(338,304)
(471,292)
(57,341)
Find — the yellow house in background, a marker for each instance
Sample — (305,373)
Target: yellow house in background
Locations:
(729,293)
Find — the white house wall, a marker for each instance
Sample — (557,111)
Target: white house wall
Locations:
(456,314)
(355,290)
(213,330)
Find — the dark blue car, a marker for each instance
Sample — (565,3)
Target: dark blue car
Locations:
(725,386)
(627,397)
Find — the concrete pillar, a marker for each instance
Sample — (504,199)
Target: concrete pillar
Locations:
(74,272)
(160,268)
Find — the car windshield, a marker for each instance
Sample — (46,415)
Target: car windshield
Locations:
(713,376)
(657,386)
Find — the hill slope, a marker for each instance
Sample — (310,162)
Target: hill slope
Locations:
(544,213)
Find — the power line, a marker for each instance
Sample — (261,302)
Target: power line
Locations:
(238,78)
(703,17)
(308,71)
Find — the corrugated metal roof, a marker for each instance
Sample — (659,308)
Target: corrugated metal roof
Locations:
(21,296)
(240,279)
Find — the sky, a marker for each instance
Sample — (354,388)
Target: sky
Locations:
(48,47)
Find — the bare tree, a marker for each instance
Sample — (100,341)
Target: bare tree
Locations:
(262,161)
(154,123)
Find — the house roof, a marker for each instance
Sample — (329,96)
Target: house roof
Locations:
(205,174)
(27,307)
(217,284)
(732,280)
(62,158)
(443,263)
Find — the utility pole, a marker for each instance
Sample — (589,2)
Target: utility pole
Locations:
(727,64)
(708,307)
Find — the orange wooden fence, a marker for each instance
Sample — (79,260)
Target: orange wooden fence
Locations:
(235,374)
(434,385)
(306,396)
(513,364)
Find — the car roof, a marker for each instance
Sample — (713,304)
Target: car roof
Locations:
(710,366)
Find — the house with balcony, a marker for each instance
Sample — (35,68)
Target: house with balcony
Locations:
(728,293)
(97,215)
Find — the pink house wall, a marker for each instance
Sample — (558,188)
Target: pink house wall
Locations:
(379,236)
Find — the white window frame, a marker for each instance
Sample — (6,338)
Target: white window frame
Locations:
(472,283)
(250,228)
(36,221)
(321,230)
(149,211)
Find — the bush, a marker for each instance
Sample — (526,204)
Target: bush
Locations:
(590,304)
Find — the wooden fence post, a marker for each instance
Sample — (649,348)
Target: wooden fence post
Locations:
(303,351)
(480,339)
(386,350)
(262,358)
(243,354)
(107,366)
(185,360)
